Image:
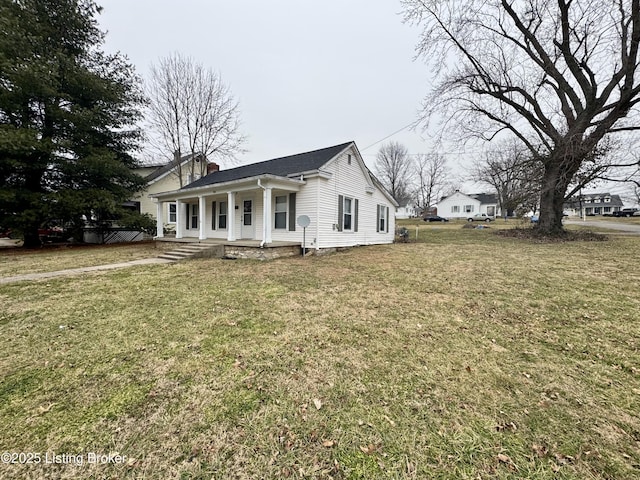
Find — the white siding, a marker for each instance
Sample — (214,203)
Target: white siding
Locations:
(446,206)
(350,181)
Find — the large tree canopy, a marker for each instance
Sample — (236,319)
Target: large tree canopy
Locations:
(67,116)
(560,76)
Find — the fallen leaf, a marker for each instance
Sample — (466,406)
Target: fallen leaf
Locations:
(318,403)
(328,443)
(369,449)
(510,426)
(539,450)
(504,458)
(468,369)
(42,409)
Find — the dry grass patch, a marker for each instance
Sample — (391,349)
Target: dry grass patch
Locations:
(49,259)
(465,355)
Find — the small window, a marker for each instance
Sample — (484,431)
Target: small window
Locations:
(455,208)
(348,159)
(194,216)
(172,213)
(468,208)
(222,216)
(348,215)
(382,218)
(607,199)
(281,212)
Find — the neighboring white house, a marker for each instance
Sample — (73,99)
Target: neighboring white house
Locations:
(406,211)
(460,205)
(262,201)
(593,204)
(165,177)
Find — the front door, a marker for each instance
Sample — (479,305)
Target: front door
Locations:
(248,228)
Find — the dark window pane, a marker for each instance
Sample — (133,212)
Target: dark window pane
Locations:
(281,220)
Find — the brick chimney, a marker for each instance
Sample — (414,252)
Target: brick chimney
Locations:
(212,167)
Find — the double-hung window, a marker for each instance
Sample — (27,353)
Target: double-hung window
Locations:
(382,219)
(222,215)
(281,212)
(348,213)
(172,213)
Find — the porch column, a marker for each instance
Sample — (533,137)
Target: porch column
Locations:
(266,215)
(231,216)
(201,214)
(179,218)
(159,220)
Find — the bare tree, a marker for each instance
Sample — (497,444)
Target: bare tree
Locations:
(514,175)
(192,112)
(431,175)
(393,169)
(558,76)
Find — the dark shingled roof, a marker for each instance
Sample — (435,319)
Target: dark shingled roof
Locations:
(596,200)
(485,198)
(283,166)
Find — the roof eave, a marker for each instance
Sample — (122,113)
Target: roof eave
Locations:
(188,192)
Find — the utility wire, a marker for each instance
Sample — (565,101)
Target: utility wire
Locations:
(412,124)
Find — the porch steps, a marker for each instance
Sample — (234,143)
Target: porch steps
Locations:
(193,250)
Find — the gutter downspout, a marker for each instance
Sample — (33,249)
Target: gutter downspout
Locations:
(264,220)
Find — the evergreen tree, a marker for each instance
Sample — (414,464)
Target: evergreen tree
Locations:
(67,117)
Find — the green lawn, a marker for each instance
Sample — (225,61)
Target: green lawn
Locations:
(464,355)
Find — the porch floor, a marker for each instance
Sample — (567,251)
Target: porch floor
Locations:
(234,243)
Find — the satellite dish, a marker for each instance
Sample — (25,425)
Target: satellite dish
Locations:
(304,221)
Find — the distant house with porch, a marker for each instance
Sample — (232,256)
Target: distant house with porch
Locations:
(166,176)
(593,204)
(460,205)
(262,202)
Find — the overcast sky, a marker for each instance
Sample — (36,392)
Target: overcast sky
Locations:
(308,73)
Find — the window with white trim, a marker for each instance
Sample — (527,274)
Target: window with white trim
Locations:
(347,214)
(280,221)
(382,218)
(469,209)
(455,208)
(172,213)
(222,215)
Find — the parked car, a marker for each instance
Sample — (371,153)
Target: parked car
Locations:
(435,218)
(535,219)
(627,212)
(480,217)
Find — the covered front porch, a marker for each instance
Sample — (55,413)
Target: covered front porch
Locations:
(247,249)
(255,212)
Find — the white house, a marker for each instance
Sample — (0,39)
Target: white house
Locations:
(164,177)
(262,201)
(406,211)
(593,204)
(460,205)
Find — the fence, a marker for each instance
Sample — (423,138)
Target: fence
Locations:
(112,235)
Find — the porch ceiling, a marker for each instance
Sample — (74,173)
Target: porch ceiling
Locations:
(242,185)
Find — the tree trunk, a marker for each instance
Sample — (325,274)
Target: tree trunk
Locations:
(555,181)
(31,238)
